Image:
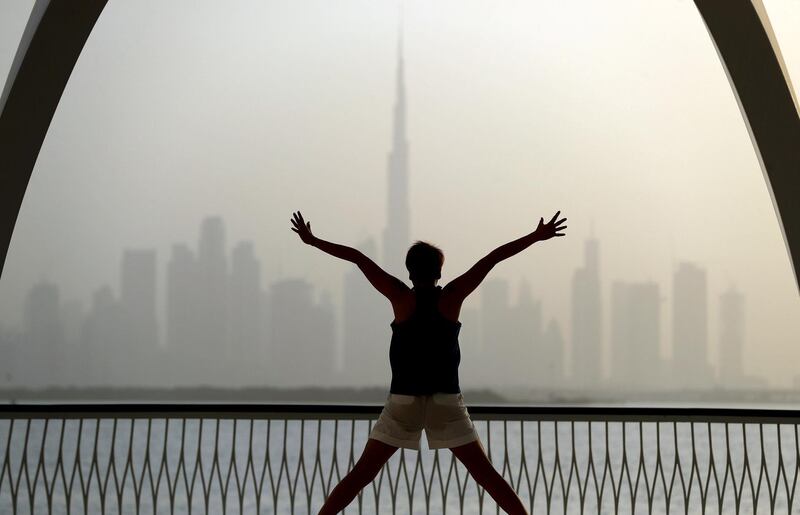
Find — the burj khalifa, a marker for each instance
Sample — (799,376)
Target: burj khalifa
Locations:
(396,234)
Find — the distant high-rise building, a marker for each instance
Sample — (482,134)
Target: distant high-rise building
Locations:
(731,337)
(245,350)
(43,335)
(396,236)
(72,317)
(139,335)
(635,335)
(302,337)
(366,331)
(102,336)
(691,367)
(211,301)
(72,320)
(42,323)
(586,370)
(524,352)
(182,314)
(513,355)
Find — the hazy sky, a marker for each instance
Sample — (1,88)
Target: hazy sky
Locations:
(617,113)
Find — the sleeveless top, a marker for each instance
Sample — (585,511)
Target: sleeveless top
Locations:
(424,352)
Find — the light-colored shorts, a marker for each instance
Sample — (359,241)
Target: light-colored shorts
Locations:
(443,416)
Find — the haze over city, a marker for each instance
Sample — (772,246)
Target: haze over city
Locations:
(185,132)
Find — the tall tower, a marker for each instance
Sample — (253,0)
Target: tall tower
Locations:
(586,320)
(43,335)
(244,314)
(182,313)
(691,368)
(211,301)
(396,234)
(302,336)
(635,335)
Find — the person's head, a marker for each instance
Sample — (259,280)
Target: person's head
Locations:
(424,263)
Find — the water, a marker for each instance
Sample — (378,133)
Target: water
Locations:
(225,461)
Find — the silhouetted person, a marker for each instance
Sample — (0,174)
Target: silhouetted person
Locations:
(424,357)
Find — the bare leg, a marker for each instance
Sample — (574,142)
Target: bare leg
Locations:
(375,454)
(474,458)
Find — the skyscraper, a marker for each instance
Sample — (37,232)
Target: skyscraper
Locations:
(212,300)
(302,337)
(396,235)
(635,330)
(690,327)
(245,351)
(102,335)
(366,332)
(72,319)
(181,310)
(523,354)
(43,335)
(586,321)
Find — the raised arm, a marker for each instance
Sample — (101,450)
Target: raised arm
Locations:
(459,288)
(391,287)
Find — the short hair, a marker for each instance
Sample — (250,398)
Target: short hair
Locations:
(424,261)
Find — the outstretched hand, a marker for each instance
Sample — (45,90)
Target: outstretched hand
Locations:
(545,231)
(302,228)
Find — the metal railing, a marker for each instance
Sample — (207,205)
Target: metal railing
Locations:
(283,458)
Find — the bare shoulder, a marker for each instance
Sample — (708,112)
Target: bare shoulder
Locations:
(401,287)
(403,303)
(451,293)
(450,302)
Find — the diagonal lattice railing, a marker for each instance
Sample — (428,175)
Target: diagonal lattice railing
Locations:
(286,458)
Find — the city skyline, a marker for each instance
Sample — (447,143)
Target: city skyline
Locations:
(503,129)
(289,332)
